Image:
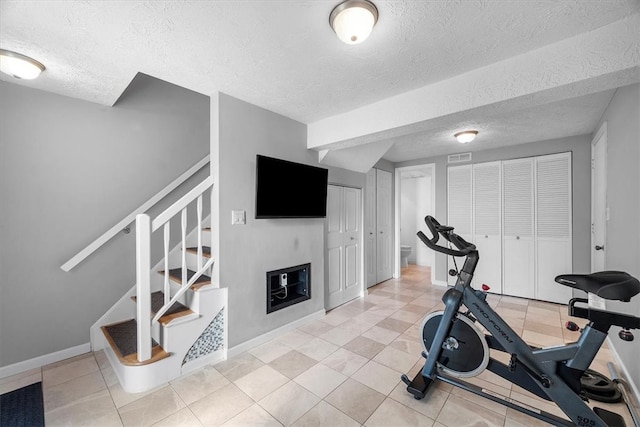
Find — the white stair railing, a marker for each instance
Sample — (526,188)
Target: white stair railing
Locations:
(144,229)
(109,234)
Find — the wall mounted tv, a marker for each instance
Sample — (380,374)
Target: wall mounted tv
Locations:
(289,190)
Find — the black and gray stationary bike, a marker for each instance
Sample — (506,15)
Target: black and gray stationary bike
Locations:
(456,348)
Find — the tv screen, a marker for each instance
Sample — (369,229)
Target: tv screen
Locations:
(289,190)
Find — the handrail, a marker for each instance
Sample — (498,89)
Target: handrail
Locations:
(109,234)
(172,210)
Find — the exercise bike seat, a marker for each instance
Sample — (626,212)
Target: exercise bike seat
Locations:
(612,285)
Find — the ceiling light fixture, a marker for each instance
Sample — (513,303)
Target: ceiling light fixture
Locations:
(466,136)
(19,66)
(353,20)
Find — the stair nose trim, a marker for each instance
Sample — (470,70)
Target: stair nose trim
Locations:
(206,251)
(175,274)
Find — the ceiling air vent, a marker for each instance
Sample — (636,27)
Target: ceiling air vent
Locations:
(459,158)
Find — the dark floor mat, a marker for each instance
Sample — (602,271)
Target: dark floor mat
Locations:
(23,407)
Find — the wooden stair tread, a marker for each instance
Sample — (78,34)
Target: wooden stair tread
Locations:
(175,311)
(206,251)
(122,337)
(175,274)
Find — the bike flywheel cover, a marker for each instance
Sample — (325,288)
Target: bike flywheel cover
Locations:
(465,352)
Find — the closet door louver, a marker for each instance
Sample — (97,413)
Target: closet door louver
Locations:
(459,205)
(487,202)
(518,261)
(553,225)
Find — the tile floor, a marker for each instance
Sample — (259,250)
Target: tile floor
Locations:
(342,370)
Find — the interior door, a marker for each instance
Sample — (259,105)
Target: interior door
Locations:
(598,200)
(553,226)
(343,245)
(370,228)
(459,208)
(487,224)
(518,248)
(384,249)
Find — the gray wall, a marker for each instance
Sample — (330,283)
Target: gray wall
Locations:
(622,248)
(69,171)
(248,251)
(581,149)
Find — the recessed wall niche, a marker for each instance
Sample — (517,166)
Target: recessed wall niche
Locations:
(288,286)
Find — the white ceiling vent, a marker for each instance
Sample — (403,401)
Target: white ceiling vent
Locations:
(459,158)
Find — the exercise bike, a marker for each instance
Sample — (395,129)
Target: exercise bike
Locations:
(456,348)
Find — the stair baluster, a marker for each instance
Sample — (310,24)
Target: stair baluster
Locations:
(143,286)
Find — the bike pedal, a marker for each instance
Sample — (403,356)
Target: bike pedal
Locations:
(572,326)
(610,418)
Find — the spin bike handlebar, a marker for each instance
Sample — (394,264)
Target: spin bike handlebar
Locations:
(464,247)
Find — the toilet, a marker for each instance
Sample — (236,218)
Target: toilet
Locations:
(405,251)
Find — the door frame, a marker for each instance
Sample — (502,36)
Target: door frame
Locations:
(362,272)
(397,212)
(599,138)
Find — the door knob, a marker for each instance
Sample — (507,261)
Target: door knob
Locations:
(371,233)
(353,238)
(599,248)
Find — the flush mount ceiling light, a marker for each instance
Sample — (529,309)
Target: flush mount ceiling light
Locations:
(466,136)
(19,66)
(353,20)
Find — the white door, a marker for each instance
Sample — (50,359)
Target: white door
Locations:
(343,245)
(598,199)
(518,248)
(553,226)
(487,224)
(459,208)
(370,228)
(384,249)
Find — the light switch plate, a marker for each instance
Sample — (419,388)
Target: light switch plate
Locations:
(238,217)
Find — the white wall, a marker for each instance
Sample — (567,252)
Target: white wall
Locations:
(248,251)
(415,204)
(69,171)
(622,248)
(408,213)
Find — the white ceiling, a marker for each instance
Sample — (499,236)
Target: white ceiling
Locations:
(283,56)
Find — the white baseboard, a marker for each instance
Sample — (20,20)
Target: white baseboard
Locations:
(40,361)
(266,337)
(622,371)
(440,283)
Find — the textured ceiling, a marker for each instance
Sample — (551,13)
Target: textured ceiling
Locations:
(281,54)
(576,116)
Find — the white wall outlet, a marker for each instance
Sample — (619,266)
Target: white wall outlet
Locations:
(238,217)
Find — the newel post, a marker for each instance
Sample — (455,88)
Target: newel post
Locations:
(143,286)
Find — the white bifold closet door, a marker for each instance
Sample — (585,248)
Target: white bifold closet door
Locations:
(553,226)
(487,235)
(518,255)
(459,208)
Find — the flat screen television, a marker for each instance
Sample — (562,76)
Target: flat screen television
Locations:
(289,190)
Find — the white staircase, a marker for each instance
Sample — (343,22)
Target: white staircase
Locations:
(174,303)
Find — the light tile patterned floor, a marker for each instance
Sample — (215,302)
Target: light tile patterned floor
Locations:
(342,370)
